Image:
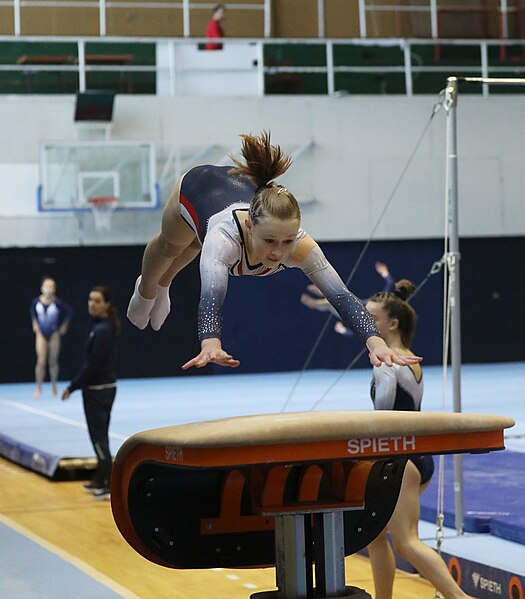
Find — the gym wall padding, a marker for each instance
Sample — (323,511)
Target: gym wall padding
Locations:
(265,325)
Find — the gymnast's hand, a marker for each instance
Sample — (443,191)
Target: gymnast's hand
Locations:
(380,353)
(314,290)
(211,351)
(321,304)
(340,328)
(382,269)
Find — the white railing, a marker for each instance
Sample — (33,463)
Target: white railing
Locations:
(173,70)
(106,5)
(432,9)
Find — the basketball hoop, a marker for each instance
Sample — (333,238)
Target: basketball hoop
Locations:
(102,208)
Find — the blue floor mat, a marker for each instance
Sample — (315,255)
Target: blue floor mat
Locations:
(494,494)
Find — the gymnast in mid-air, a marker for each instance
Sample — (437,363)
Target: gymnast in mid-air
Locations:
(242,223)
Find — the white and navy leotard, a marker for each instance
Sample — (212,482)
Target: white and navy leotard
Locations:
(50,317)
(397,388)
(211,200)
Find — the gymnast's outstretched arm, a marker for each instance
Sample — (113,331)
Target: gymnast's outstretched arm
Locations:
(309,257)
(219,253)
(321,304)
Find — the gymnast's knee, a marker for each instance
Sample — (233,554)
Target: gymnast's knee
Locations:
(405,546)
(169,247)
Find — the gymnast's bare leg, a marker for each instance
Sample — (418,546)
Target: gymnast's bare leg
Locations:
(165,256)
(52,360)
(41,347)
(403,528)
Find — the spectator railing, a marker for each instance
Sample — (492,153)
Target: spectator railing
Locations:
(365,11)
(410,65)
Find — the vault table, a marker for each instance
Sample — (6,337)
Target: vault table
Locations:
(289,490)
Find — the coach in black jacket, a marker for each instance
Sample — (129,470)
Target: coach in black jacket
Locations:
(99,385)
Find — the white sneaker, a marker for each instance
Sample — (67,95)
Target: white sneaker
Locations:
(103,493)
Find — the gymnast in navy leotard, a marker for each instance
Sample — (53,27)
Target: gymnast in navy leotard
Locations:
(243,224)
(398,388)
(50,317)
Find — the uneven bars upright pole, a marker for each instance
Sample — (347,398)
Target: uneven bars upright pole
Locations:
(454,287)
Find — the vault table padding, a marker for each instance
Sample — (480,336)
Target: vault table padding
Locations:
(305,436)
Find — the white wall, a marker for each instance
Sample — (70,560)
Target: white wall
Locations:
(361,145)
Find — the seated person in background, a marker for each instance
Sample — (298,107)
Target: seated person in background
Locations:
(214,27)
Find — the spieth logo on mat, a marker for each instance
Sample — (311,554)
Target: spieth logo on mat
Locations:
(485,584)
(382,445)
(173,454)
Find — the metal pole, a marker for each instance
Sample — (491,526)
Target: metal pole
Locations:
(330,554)
(290,556)
(454,286)
(504,16)
(102,17)
(330,68)
(185,18)
(434,25)
(267,18)
(81,66)
(320,19)
(16,13)
(407,59)
(362,18)
(484,67)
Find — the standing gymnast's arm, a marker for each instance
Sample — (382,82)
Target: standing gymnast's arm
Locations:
(66,313)
(311,260)
(385,386)
(34,316)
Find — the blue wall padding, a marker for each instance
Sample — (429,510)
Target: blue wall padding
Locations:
(265,325)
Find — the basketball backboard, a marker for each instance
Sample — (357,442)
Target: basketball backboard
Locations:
(71,172)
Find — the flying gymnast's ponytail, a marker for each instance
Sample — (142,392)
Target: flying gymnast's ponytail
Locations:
(396,306)
(262,163)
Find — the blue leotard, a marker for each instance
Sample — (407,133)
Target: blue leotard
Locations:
(50,317)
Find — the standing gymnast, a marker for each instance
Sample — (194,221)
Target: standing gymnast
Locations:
(402,389)
(50,318)
(243,224)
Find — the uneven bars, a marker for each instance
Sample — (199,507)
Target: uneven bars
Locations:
(493,80)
